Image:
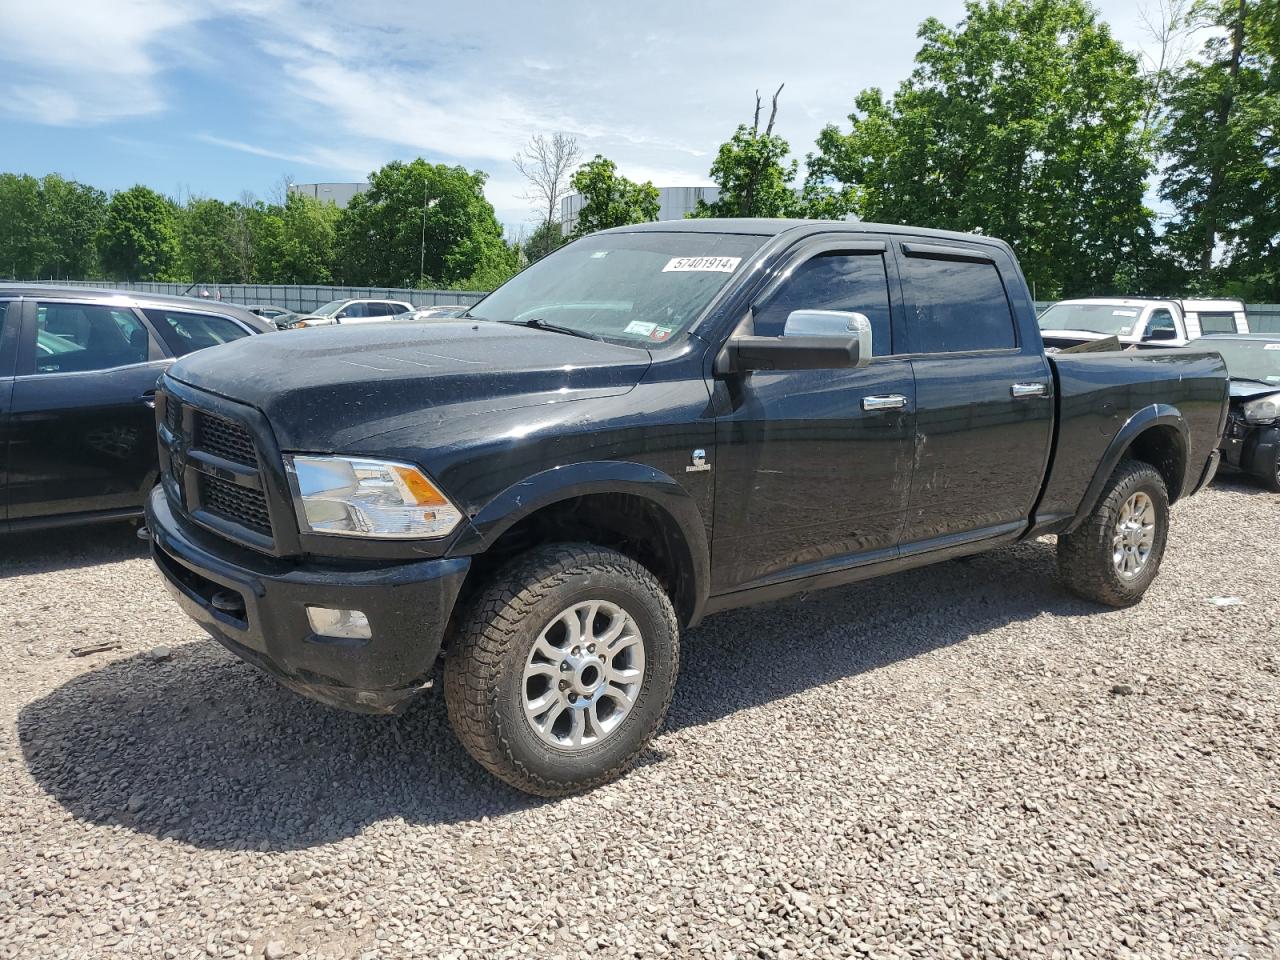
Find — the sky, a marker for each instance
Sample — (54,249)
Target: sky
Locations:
(222,97)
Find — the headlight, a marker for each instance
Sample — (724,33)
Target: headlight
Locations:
(1262,409)
(358,497)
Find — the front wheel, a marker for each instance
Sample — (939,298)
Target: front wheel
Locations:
(563,669)
(1270,474)
(1114,555)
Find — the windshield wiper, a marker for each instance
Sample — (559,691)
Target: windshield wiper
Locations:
(537,323)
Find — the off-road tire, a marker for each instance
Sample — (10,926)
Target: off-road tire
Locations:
(484,666)
(1085,563)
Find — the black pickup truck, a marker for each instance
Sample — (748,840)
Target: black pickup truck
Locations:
(653,424)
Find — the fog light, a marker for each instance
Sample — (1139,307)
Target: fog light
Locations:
(347,624)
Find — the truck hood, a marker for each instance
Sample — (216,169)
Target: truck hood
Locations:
(326,388)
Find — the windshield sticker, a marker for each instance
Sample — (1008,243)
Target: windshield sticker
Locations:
(1125,331)
(1124,313)
(660,333)
(702,265)
(640,327)
(599,254)
(1272,346)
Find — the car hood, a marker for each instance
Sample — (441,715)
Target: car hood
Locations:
(1248,389)
(325,388)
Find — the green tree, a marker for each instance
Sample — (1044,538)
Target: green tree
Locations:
(421,224)
(296,242)
(73,215)
(24,246)
(547,237)
(207,238)
(139,237)
(1221,145)
(610,199)
(753,173)
(1025,123)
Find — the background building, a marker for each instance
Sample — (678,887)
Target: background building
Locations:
(339,193)
(674,203)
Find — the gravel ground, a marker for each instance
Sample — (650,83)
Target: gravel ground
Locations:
(957,761)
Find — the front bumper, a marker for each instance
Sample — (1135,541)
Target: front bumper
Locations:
(256,607)
(1251,448)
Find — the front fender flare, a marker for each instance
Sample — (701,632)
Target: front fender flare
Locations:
(557,484)
(1155,415)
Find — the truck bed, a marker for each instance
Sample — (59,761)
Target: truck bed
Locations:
(1099,394)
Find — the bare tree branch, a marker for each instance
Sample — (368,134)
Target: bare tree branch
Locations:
(773,114)
(1169,25)
(547,163)
(747,207)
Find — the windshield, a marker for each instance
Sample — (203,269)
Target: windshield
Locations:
(1103,318)
(637,289)
(330,308)
(1247,359)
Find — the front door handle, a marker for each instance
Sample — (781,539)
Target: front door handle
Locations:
(149,398)
(1022,391)
(889,401)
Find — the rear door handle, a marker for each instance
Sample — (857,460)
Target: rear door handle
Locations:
(149,398)
(1023,390)
(889,401)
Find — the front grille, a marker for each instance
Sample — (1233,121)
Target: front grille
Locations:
(233,502)
(173,413)
(212,472)
(224,439)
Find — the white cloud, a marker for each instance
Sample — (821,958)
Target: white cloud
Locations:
(86,62)
(349,164)
(342,88)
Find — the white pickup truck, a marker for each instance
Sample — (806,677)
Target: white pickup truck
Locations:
(1141,322)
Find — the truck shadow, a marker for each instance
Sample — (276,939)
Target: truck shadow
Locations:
(202,749)
(46,551)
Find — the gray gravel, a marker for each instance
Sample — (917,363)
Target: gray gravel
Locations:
(956,762)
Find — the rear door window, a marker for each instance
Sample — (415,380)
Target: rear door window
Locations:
(957,305)
(850,282)
(78,337)
(185,332)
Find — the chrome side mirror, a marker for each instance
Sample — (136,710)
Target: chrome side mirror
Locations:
(811,340)
(832,323)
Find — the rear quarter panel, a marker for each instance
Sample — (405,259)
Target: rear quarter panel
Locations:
(1099,393)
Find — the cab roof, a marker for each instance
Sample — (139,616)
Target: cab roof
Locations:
(775,227)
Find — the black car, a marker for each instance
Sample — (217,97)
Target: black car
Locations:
(78,371)
(650,425)
(1251,442)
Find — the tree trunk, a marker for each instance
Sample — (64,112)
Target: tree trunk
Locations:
(1221,122)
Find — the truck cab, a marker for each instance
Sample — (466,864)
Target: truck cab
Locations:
(1134,322)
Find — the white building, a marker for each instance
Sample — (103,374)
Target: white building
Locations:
(339,193)
(674,203)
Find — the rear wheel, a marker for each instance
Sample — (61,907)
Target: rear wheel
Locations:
(1115,554)
(563,669)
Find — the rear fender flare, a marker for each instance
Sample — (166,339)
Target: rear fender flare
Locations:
(1155,415)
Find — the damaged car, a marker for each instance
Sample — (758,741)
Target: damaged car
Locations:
(1251,442)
